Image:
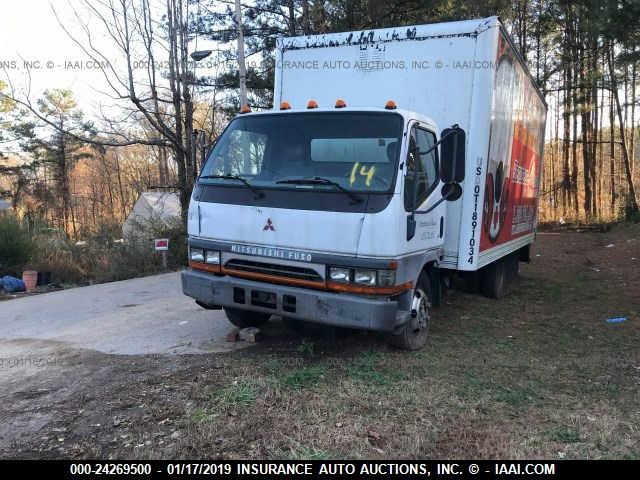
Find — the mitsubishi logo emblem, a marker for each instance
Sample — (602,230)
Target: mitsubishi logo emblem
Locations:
(269,226)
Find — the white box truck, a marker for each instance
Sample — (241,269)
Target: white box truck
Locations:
(393,160)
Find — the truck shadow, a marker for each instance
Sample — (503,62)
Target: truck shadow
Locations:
(288,334)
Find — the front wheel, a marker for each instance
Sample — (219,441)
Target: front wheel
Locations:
(414,333)
(245,318)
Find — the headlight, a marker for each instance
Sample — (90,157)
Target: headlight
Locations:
(386,278)
(339,274)
(212,257)
(197,255)
(365,277)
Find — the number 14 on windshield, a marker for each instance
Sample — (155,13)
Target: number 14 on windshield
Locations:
(368,174)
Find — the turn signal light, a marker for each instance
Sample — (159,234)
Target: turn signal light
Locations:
(312,104)
(340,103)
(285,106)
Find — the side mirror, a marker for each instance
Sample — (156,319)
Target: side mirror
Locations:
(452,155)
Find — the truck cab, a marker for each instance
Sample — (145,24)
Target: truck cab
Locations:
(309,214)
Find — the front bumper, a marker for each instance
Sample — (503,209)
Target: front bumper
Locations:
(337,309)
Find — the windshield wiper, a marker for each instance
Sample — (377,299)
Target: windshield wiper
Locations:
(228,176)
(320,181)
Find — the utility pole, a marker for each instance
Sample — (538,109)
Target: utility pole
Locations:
(241,66)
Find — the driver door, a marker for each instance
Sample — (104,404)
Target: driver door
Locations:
(421,181)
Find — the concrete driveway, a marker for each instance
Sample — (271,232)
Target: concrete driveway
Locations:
(147,315)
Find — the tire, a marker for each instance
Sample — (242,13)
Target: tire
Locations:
(245,318)
(415,332)
(494,279)
(514,265)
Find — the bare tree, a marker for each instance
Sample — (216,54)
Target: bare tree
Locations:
(154,87)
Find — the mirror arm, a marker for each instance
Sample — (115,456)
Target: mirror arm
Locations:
(430,209)
(453,131)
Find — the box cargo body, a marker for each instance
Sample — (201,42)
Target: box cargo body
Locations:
(466,73)
(393,160)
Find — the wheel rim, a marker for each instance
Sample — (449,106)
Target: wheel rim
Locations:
(420,308)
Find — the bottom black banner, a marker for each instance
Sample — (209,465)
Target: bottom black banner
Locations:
(453,469)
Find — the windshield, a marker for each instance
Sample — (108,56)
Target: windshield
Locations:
(357,151)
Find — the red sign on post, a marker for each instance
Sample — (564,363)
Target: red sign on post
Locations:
(161,244)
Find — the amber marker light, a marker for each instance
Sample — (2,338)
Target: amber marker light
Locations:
(340,103)
(285,106)
(390,105)
(312,104)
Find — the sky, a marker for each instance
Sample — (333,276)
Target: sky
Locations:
(36,53)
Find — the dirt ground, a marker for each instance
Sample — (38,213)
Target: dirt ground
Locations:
(540,374)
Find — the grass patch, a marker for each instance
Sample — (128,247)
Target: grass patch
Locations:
(551,291)
(473,388)
(306,347)
(564,435)
(304,377)
(309,453)
(515,396)
(238,394)
(366,369)
(203,415)
(631,456)
(273,366)
(505,347)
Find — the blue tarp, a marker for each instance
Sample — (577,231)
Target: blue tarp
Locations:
(11,284)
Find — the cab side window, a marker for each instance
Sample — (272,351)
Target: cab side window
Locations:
(422,168)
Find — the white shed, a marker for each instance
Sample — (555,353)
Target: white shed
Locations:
(151,211)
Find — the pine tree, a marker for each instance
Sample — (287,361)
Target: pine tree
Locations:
(55,150)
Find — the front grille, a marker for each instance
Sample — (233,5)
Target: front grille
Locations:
(299,273)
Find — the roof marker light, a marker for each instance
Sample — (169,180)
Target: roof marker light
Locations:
(245,108)
(340,103)
(285,106)
(312,104)
(390,105)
